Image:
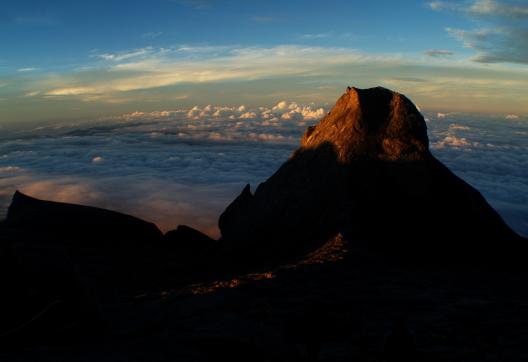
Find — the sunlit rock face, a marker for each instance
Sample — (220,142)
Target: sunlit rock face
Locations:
(371,124)
(366,171)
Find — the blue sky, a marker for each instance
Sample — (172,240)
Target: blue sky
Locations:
(82,59)
(63,33)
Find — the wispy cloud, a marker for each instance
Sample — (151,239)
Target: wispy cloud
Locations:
(32,94)
(152,35)
(315,36)
(118,57)
(25,70)
(72,91)
(438,53)
(502,37)
(484,8)
(497,8)
(188,72)
(149,68)
(327,35)
(495,45)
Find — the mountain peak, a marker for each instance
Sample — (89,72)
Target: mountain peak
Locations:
(365,171)
(374,123)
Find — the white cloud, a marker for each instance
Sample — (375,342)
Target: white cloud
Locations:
(454,126)
(292,116)
(282,105)
(194,112)
(267,137)
(248,115)
(452,141)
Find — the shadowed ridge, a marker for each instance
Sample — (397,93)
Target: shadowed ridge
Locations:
(366,171)
(78,222)
(236,210)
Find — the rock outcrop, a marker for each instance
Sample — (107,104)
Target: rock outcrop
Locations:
(366,171)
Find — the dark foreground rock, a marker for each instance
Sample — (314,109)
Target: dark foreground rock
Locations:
(366,171)
(339,304)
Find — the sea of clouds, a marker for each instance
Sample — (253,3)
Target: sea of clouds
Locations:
(184,166)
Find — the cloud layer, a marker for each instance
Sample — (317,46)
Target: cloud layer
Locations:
(186,165)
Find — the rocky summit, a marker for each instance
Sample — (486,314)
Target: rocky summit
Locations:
(366,171)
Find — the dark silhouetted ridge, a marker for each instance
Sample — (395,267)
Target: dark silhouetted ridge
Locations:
(78,222)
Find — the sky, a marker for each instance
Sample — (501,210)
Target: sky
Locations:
(166,109)
(72,60)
